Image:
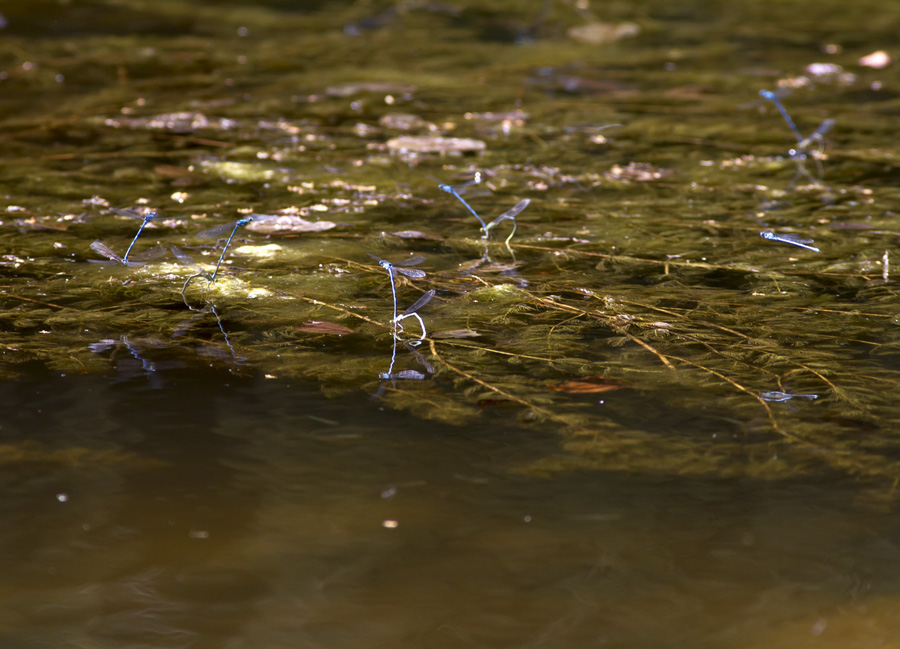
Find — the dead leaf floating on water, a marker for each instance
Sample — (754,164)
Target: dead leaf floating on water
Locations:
(601,33)
(415,234)
(434,144)
(517,116)
(589,385)
(637,171)
(405,122)
(324,327)
(183,121)
(171,171)
(350,89)
(286,224)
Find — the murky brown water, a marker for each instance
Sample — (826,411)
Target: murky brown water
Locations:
(250,513)
(639,424)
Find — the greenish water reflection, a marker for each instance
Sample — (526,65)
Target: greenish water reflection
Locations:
(637,342)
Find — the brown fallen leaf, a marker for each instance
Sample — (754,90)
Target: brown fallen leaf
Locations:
(324,327)
(589,385)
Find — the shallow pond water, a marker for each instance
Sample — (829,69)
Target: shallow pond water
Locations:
(631,419)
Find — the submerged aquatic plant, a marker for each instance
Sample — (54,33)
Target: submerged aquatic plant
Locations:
(687,330)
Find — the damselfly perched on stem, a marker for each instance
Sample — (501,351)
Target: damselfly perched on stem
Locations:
(509,215)
(812,145)
(212,233)
(400,267)
(146,218)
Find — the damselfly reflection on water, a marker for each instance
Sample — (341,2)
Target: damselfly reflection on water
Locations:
(792,239)
(405,375)
(408,375)
(200,314)
(213,233)
(137,349)
(400,267)
(778,396)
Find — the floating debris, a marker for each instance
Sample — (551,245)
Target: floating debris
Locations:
(415,234)
(179,121)
(588,385)
(517,116)
(323,327)
(435,144)
(350,89)
(599,33)
(287,224)
(405,122)
(877,60)
(638,172)
(267,251)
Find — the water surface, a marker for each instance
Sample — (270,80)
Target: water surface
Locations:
(638,424)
